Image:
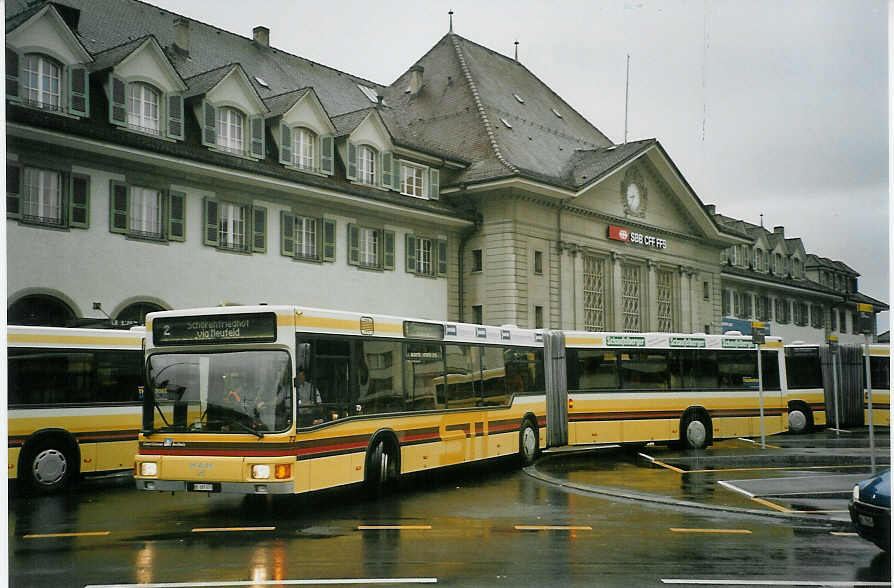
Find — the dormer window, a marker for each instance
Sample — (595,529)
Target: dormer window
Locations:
(412,180)
(758,258)
(143,108)
(230,128)
(42,81)
(366,164)
(303,148)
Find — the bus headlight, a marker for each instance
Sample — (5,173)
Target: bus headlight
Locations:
(148,468)
(260,472)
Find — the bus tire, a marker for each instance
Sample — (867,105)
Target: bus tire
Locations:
(800,417)
(528,443)
(382,465)
(695,430)
(48,465)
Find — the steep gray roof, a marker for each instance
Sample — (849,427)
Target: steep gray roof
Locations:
(112,56)
(203,82)
(282,103)
(346,123)
(586,165)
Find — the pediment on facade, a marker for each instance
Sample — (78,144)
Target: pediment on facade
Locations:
(148,63)
(309,112)
(372,131)
(235,90)
(46,32)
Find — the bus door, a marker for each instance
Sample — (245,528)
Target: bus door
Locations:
(463,377)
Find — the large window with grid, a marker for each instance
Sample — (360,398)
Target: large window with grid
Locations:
(426,256)
(412,180)
(42,197)
(142,108)
(230,128)
(144,219)
(366,164)
(783,314)
(631,288)
(306,238)
(42,81)
(665,293)
(594,293)
(231,228)
(303,146)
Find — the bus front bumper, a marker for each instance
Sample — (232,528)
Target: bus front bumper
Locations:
(216,487)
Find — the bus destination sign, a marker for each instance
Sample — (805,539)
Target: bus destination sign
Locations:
(231,328)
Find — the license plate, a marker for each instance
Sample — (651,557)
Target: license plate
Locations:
(866,521)
(203,487)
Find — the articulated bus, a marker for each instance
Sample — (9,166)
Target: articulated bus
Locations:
(73,402)
(880,378)
(806,392)
(285,399)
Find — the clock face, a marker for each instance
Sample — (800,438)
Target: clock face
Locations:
(634,198)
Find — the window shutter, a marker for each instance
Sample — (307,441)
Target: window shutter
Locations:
(285,144)
(12,75)
(211,223)
(177,216)
(79,94)
(328,240)
(352,161)
(259,229)
(257,137)
(287,233)
(79,202)
(388,170)
(442,258)
(209,125)
(175,116)
(119,195)
(411,254)
(327,154)
(353,244)
(388,259)
(397,175)
(434,188)
(13,190)
(118,106)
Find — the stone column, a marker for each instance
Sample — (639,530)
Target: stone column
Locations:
(566,287)
(650,320)
(617,303)
(685,321)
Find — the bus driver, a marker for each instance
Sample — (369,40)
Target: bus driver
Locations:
(308,399)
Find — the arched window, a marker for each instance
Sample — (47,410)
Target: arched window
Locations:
(758,258)
(135,314)
(40,310)
(366,164)
(42,81)
(303,148)
(230,129)
(142,108)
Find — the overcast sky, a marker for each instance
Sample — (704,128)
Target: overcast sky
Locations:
(766,106)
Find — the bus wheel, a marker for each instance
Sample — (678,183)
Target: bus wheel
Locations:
(694,431)
(381,470)
(48,466)
(528,443)
(800,418)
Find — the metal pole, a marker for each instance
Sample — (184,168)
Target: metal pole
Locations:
(869,401)
(835,391)
(626,97)
(760,394)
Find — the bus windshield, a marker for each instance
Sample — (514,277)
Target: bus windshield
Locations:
(218,392)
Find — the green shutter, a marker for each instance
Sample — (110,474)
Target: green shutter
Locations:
(177,216)
(79,201)
(118,104)
(327,154)
(442,258)
(328,240)
(285,144)
(79,91)
(175,116)
(353,244)
(211,221)
(411,254)
(396,174)
(434,188)
(388,258)
(388,170)
(13,60)
(352,161)
(287,233)
(209,125)
(259,229)
(119,196)
(14,176)
(256,124)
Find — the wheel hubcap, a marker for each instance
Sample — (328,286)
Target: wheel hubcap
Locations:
(797,421)
(529,442)
(383,467)
(695,434)
(49,466)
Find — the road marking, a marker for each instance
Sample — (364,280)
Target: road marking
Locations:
(229,529)
(662,464)
(49,535)
(317,582)
(756,443)
(720,531)
(552,528)
(394,527)
(722,582)
(832,467)
(772,505)
(839,430)
(840,534)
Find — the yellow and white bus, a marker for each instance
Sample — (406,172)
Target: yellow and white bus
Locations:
(880,378)
(687,389)
(73,403)
(806,398)
(282,399)
(286,399)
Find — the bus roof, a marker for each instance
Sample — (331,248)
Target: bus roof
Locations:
(26,336)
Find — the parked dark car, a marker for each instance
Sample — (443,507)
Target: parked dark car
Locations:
(870,509)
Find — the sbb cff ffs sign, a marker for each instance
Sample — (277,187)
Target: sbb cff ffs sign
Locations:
(621,234)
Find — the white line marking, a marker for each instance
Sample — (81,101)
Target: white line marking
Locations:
(770,582)
(317,582)
(735,488)
(650,458)
(839,430)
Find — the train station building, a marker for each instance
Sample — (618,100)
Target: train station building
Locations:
(157,162)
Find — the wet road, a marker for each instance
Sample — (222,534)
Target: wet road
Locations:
(483,525)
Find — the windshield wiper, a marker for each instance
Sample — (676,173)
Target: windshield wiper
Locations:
(245,427)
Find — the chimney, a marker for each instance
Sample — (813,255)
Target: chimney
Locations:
(779,230)
(181,34)
(261,36)
(380,100)
(415,79)
(710,208)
